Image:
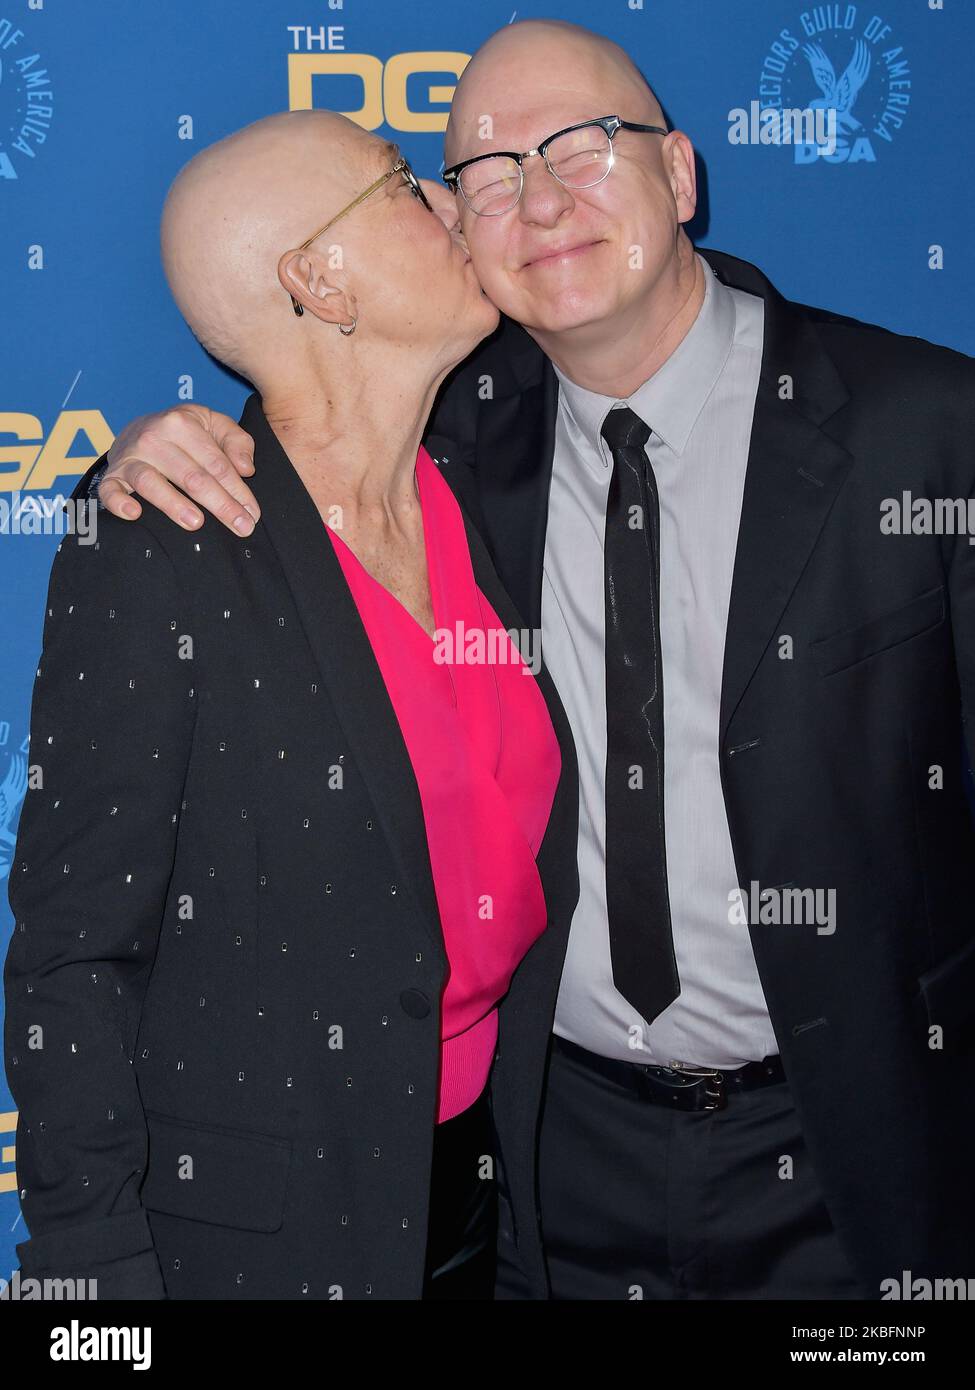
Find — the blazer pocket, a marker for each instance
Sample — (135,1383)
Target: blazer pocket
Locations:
(947,991)
(880,634)
(229,1177)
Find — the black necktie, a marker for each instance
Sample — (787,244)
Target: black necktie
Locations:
(640,937)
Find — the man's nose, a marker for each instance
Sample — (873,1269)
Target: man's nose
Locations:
(544,198)
(443,203)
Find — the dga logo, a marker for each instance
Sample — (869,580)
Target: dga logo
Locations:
(13,786)
(26,101)
(399,92)
(843,60)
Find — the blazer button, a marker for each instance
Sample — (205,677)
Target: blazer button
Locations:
(415,1003)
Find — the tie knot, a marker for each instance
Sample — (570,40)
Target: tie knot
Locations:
(623,429)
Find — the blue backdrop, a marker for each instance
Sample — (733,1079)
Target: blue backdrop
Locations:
(102,101)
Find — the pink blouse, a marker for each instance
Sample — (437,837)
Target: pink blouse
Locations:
(486,762)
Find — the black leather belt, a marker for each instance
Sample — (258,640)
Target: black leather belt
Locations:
(686,1088)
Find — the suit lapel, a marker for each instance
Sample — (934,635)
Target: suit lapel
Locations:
(514,453)
(345,658)
(794,473)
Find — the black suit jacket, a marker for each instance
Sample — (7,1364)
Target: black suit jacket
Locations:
(829,742)
(222,989)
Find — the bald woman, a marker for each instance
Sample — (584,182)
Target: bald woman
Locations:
(284,859)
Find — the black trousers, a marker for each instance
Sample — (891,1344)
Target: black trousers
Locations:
(638,1201)
(462,1231)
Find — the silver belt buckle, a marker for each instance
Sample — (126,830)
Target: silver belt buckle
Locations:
(714,1090)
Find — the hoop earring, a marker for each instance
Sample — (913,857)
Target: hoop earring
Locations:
(347,332)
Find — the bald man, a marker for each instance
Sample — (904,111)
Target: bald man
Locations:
(763,1032)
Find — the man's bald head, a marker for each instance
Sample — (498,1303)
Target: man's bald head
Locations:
(576,262)
(519,65)
(238,205)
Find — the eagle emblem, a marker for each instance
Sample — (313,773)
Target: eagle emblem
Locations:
(839,94)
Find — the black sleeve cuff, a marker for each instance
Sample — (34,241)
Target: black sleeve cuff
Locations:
(115,1251)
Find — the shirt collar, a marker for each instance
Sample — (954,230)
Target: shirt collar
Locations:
(673,398)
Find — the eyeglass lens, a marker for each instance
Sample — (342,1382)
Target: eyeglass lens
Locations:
(579,159)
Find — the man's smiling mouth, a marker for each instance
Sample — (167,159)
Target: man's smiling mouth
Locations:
(549,255)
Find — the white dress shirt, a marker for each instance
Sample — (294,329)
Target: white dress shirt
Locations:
(700,406)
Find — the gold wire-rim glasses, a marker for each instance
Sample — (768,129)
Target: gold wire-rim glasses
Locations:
(400,167)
